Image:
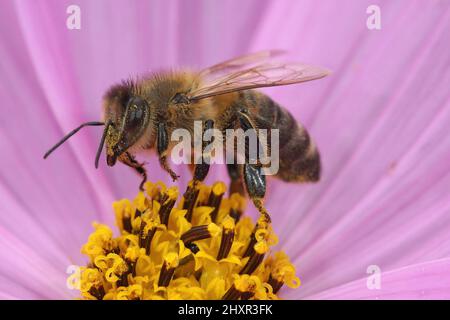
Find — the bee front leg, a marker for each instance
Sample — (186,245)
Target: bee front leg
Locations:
(162,145)
(130,161)
(254,178)
(201,169)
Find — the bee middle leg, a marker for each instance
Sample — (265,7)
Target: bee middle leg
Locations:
(201,169)
(127,159)
(162,145)
(235,173)
(254,178)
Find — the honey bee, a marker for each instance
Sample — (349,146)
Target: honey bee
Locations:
(141,115)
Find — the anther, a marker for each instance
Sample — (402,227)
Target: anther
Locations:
(232,294)
(126,221)
(199,233)
(123,279)
(227,238)
(261,224)
(275,284)
(193,247)
(250,250)
(252,263)
(169,202)
(247,295)
(215,198)
(238,207)
(243,288)
(260,249)
(190,198)
(145,237)
(235,214)
(137,213)
(167,270)
(97,292)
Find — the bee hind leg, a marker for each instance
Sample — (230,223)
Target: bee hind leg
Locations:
(254,178)
(127,159)
(199,172)
(255,183)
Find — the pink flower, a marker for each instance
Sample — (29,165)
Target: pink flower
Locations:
(380,121)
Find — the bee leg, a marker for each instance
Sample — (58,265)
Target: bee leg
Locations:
(201,169)
(235,173)
(162,145)
(255,183)
(130,161)
(254,178)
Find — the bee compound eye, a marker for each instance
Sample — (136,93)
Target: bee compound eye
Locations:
(136,111)
(136,114)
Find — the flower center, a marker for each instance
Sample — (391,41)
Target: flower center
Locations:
(201,248)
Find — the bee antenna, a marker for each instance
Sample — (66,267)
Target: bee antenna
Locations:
(71,133)
(102,142)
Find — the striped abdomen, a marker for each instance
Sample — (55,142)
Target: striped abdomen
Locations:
(299,157)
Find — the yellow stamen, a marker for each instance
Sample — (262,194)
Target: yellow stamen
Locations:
(215,198)
(227,237)
(202,248)
(168,268)
(282,272)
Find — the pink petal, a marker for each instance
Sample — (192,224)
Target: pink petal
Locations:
(429,280)
(27,274)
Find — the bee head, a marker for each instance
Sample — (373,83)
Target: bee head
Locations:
(127,116)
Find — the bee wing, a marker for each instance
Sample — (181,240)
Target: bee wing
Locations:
(242,62)
(257,76)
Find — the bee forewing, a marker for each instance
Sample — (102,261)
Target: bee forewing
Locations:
(258,76)
(242,62)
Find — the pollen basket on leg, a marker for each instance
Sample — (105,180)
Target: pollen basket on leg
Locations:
(197,246)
